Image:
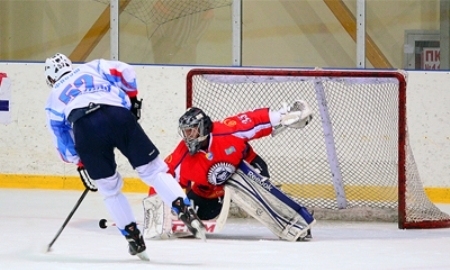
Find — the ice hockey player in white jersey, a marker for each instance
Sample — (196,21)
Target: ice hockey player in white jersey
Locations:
(93,109)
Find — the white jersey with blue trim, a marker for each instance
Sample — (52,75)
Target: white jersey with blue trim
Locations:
(99,81)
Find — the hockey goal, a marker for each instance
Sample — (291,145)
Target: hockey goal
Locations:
(353,161)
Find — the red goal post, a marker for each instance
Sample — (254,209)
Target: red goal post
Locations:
(353,161)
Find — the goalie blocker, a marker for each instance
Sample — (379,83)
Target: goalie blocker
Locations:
(250,191)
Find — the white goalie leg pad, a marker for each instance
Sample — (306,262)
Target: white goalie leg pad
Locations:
(161,223)
(253,198)
(158,218)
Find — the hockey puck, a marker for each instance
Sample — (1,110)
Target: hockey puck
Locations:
(102,223)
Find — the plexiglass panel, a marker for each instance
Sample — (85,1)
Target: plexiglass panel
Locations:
(35,30)
(275,33)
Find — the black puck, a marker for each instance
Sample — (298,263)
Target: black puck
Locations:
(102,223)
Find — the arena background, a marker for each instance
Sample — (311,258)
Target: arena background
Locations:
(165,41)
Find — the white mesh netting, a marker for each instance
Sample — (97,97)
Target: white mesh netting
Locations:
(155,13)
(358,115)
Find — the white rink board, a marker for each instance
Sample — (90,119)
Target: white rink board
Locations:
(26,146)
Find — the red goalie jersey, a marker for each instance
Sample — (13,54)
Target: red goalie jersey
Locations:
(205,172)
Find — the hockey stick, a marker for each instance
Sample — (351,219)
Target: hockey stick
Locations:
(85,192)
(89,186)
(86,179)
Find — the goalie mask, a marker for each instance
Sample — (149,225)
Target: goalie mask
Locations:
(194,127)
(55,67)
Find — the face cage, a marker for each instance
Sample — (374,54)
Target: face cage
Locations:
(50,82)
(193,136)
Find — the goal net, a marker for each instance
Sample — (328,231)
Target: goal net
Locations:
(353,161)
(155,13)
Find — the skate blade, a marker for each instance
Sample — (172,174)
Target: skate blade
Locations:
(201,234)
(201,231)
(143,256)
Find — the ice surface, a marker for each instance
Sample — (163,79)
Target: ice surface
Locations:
(30,219)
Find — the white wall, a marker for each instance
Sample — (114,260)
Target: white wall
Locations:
(428,108)
(26,147)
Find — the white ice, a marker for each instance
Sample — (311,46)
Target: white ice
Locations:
(30,219)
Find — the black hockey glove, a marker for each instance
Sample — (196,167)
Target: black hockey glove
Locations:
(136,106)
(87,181)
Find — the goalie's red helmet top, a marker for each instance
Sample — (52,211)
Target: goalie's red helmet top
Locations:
(194,127)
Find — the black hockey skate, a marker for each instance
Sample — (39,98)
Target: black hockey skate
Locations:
(136,244)
(187,214)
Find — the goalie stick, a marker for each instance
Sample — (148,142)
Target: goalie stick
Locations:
(178,227)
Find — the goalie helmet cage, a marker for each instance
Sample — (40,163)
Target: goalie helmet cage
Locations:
(353,161)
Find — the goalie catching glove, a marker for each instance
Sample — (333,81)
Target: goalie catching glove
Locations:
(296,116)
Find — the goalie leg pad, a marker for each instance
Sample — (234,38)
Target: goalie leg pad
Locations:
(160,223)
(256,198)
(247,171)
(157,218)
(283,222)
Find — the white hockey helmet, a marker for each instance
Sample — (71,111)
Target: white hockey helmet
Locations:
(55,67)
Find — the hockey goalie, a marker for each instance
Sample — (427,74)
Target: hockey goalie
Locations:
(216,165)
